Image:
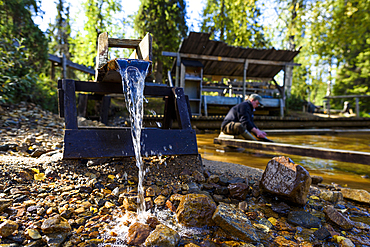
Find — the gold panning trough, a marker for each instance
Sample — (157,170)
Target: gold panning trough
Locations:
(99,142)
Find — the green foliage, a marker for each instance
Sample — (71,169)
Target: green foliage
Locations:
(59,32)
(22,51)
(234,22)
(341,33)
(165,20)
(100,17)
(295,102)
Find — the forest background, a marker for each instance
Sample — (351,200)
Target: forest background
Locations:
(333,37)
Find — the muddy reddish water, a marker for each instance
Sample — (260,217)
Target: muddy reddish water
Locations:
(343,173)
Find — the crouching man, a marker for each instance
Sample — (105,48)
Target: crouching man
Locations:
(239,120)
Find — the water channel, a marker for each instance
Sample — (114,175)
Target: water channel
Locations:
(355,176)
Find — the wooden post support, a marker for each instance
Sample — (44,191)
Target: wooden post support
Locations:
(357,108)
(104,109)
(245,78)
(82,104)
(205,105)
(281,107)
(169,112)
(183,117)
(70,111)
(60,99)
(52,71)
(328,107)
(178,64)
(64,66)
(288,72)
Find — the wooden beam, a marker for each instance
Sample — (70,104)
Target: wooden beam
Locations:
(346,96)
(322,153)
(144,49)
(123,43)
(264,79)
(57,60)
(229,59)
(117,142)
(102,56)
(246,63)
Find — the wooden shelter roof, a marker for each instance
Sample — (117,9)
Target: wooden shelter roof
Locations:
(200,44)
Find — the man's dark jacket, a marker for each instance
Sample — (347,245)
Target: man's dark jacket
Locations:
(242,113)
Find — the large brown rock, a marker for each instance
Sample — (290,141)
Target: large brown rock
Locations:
(356,195)
(339,219)
(137,233)
(55,224)
(195,210)
(235,222)
(285,179)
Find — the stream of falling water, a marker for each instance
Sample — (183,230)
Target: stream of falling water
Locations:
(133,73)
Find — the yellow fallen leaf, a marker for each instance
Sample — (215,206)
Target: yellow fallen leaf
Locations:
(268,204)
(343,232)
(111,177)
(106,191)
(94,210)
(272,220)
(314,198)
(35,170)
(338,239)
(39,176)
(130,182)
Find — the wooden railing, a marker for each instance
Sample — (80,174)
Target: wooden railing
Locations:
(65,63)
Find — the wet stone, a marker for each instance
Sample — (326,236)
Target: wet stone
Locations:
(316,179)
(243,206)
(218,198)
(55,239)
(33,234)
(162,236)
(7,227)
(198,176)
(220,190)
(137,233)
(55,224)
(281,208)
(213,179)
(5,203)
(304,219)
(331,196)
(284,178)
(322,233)
(281,241)
(236,180)
(238,190)
(85,189)
(334,216)
(160,201)
(195,210)
(129,203)
(152,222)
(356,195)
(235,222)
